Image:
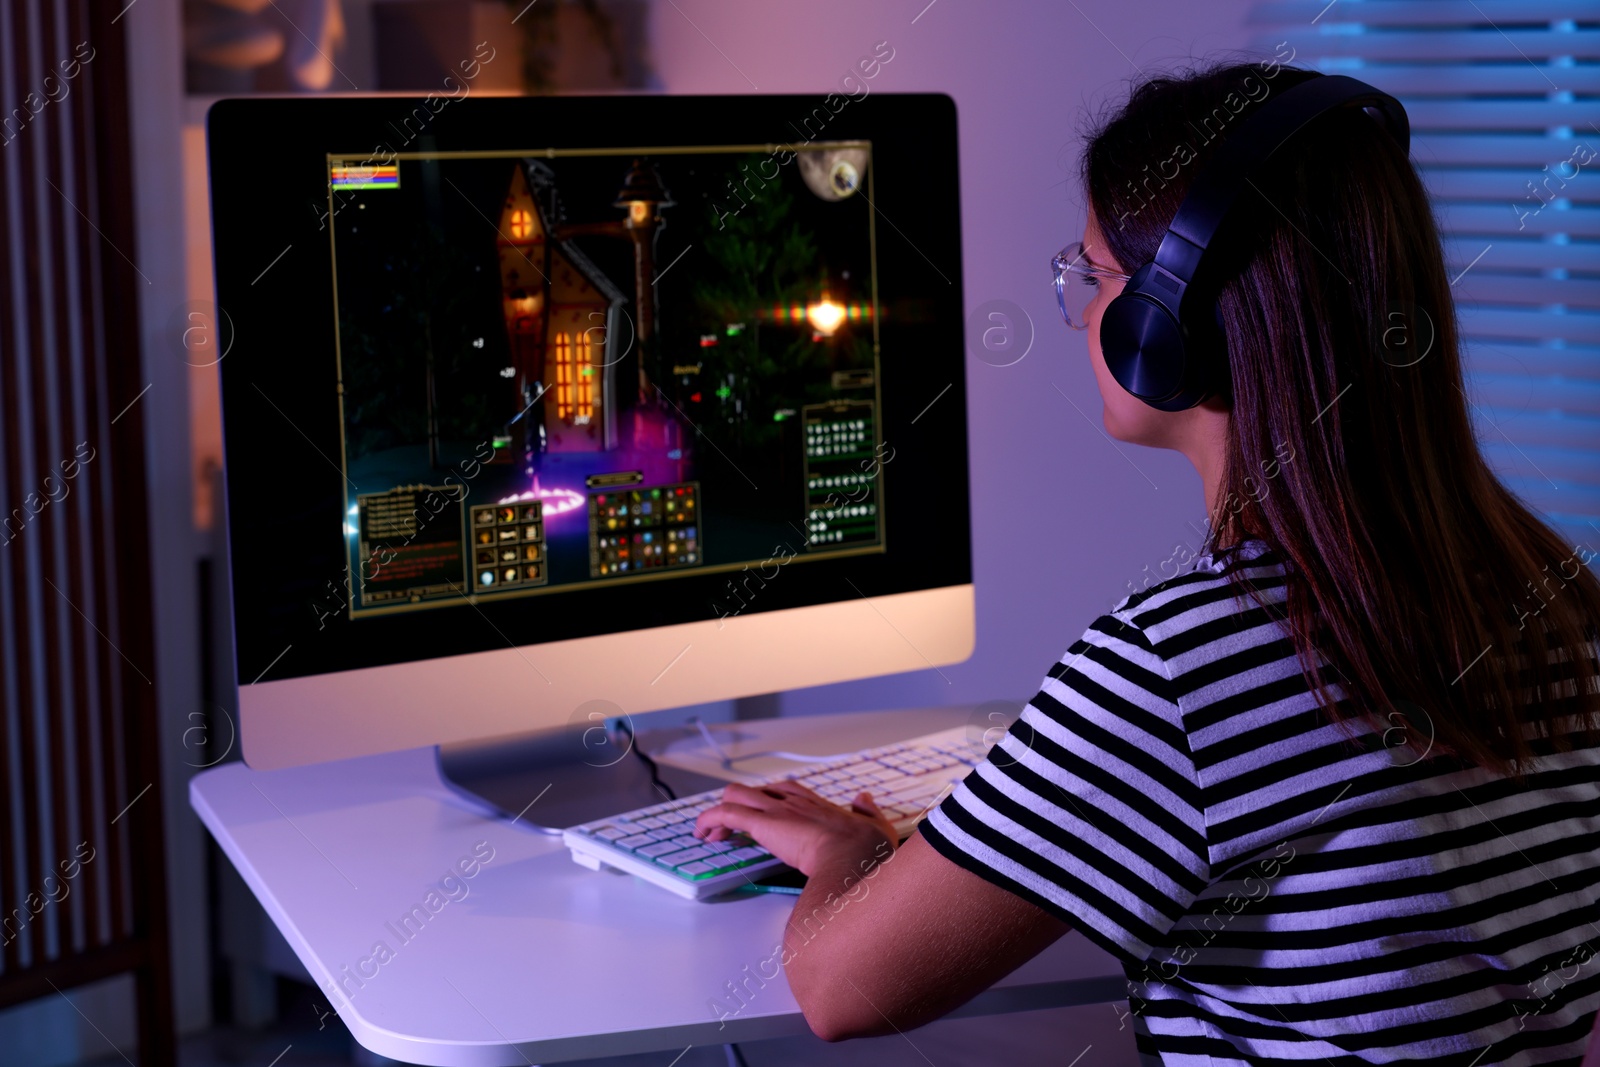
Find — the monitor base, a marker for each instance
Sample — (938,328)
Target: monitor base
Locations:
(553,779)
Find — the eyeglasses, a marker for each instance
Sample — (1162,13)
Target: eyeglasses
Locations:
(1077,282)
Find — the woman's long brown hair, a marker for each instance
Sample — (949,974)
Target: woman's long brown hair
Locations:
(1420,591)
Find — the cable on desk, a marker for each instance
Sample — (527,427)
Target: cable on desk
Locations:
(655,772)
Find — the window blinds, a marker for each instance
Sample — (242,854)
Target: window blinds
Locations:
(1504,100)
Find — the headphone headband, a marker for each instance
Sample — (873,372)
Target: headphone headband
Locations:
(1249,148)
(1145,333)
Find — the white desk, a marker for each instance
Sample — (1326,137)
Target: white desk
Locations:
(541,960)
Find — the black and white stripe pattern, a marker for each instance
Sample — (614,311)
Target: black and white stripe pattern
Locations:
(1279,888)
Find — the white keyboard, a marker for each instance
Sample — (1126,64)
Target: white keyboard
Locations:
(656,843)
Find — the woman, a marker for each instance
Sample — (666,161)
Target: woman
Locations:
(1331,795)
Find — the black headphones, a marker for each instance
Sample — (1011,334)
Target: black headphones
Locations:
(1156,337)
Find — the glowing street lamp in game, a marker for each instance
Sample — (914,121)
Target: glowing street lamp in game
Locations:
(644,197)
(825,316)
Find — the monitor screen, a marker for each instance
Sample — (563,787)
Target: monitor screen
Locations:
(513,373)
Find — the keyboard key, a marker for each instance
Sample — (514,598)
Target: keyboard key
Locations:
(754,852)
(681,856)
(649,823)
(695,870)
(666,833)
(609,833)
(687,841)
(660,848)
(719,846)
(925,787)
(635,841)
(719,862)
(693,855)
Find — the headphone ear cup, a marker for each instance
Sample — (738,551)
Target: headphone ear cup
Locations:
(1143,346)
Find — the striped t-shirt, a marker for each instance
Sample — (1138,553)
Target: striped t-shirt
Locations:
(1275,892)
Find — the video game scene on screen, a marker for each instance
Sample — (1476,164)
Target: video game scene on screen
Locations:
(599,366)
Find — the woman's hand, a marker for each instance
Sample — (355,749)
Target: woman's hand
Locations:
(795,824)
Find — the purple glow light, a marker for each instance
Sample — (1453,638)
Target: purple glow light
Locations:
(555,501)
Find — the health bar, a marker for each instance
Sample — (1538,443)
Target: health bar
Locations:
(365,177)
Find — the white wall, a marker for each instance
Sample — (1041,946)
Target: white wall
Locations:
(1061,520)
(155,109)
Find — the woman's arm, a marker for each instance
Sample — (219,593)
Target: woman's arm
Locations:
(882,939)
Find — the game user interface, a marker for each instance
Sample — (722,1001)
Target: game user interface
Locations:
(565,368)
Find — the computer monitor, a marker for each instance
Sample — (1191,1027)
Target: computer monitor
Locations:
(536,405)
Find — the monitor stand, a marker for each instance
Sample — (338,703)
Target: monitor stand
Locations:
(553,779)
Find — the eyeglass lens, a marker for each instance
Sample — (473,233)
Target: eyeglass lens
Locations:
(1078,289)
(1078,286)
